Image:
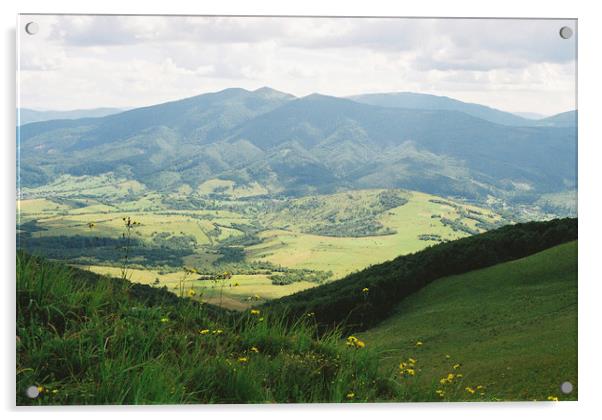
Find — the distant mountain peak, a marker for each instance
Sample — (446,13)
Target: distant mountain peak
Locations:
(315,95)
(269,92)
(322,97)
(267,89)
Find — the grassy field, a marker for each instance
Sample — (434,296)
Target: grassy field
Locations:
(511,328)
(238,292)
(105,186)
(348,254)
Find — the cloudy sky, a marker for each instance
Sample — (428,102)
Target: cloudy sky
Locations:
(77,62)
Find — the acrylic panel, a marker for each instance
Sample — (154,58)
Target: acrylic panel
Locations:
(295,209)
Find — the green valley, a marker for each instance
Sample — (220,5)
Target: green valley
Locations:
(270,246)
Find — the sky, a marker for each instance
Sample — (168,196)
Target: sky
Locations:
(79,62)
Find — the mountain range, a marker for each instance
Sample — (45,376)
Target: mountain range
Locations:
(315,143)
(27,115)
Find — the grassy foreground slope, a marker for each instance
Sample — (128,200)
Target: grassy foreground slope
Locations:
(512,328)
(88,339)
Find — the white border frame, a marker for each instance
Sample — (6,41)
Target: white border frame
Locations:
(590,145)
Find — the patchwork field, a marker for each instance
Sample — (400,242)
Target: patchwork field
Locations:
(270,247)
(420,217)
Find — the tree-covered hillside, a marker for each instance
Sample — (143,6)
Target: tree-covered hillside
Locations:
(304,145)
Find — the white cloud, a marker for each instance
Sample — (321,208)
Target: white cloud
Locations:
(93,61)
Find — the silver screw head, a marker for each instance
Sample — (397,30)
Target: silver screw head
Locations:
(32,392)
(566,32)
(566,387)
(32,28)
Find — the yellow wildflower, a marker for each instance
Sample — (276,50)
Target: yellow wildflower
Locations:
(552,398)
(255,311)
(456,366)
(469,390)
(365,290)
(448,379)
(243,359)
(254,349)
(355,342)
(407,368)
(479,387)
(41,389)
(218,332)
(203,332)
(418,343)
(459,375)
(350,395)
(164,320)
(440,392)
(191,293)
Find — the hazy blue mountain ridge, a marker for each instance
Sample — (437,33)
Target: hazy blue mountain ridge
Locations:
(564,119)
(412,100)
(27,115)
